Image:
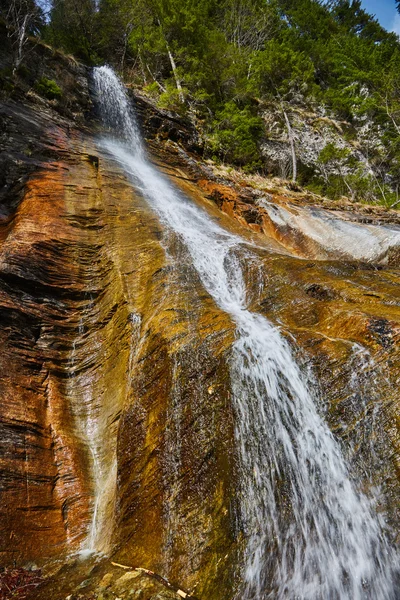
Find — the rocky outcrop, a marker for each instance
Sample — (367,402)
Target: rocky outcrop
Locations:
(116,428)
(310,228)
(163,126)
(341,314)
(116,417)
(98,577)
(349,158)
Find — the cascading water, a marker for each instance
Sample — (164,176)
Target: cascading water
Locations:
(309,534)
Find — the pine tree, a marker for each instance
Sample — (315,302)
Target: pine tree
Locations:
(73,27)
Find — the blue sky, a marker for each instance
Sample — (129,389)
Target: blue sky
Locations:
(386,13)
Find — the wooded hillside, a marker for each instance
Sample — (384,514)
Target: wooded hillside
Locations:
(253,75)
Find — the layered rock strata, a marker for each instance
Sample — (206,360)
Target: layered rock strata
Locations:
(116,417)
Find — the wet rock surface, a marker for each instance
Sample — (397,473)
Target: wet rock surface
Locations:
(309,228)
(116,418)
(100,331)
(96,578)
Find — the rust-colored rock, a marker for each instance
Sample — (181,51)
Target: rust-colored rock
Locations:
(116,420)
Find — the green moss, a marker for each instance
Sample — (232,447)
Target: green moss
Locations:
(48,88)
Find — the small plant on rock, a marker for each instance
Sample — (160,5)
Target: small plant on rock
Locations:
(48,88)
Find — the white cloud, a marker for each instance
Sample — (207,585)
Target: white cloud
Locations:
(396,24)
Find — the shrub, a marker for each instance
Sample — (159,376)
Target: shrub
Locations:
(171,99)
(152,90)
(48,88)
(235,137)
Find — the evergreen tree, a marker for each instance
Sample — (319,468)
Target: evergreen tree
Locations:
(221,59)
(73,27)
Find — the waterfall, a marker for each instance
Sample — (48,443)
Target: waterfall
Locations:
(309,533)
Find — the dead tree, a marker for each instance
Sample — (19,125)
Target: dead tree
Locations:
(22,18)
(291,142)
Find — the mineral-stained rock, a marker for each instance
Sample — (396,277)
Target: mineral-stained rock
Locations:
(111,438)
(116,417)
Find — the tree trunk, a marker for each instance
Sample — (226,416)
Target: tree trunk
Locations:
(21,41)
(173,65)
(292,148)
(174,70)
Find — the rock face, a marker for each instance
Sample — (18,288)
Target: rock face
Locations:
(116,420)
(113,357)
(325,147)
(312,228)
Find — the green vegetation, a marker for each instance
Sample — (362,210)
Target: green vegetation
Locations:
(235,133)
(48,88)
(221,62)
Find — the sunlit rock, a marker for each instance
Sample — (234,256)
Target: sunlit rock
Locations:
(119,426)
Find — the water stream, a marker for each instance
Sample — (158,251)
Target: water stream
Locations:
(309,533)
